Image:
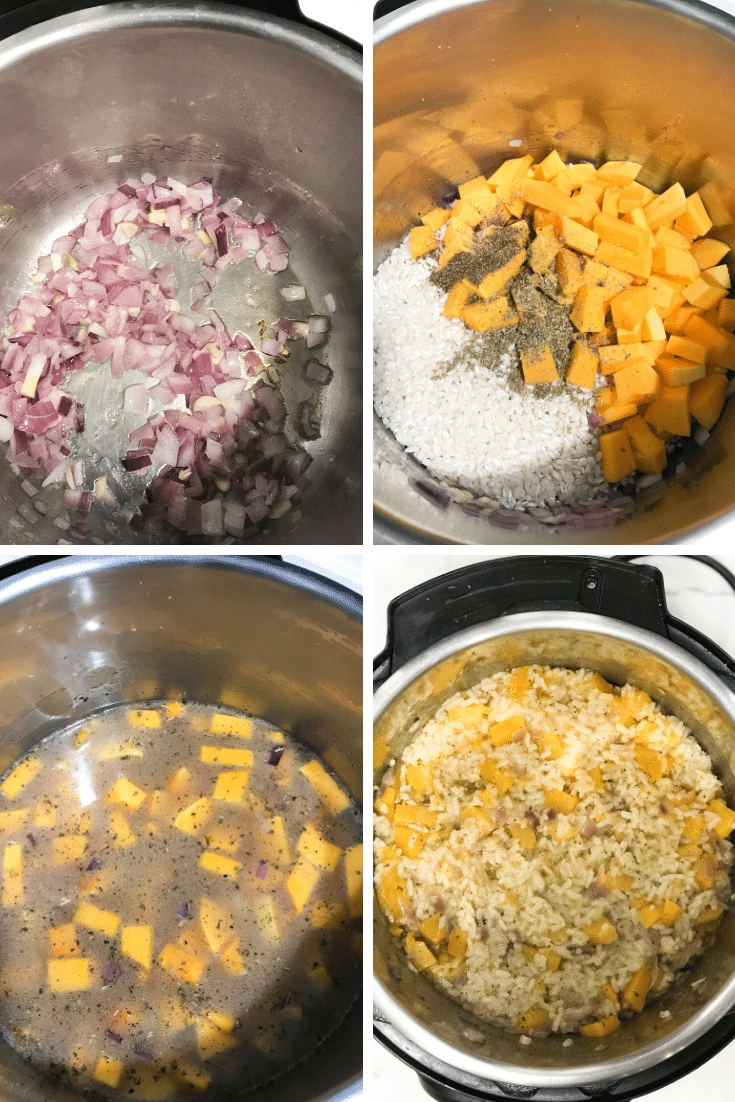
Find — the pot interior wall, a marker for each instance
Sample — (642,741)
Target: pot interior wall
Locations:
(270,113)
(620,662)
(452,91)
(85,638)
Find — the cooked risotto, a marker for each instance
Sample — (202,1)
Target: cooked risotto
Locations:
(552,850)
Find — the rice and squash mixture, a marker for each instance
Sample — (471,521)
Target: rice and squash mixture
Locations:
(552,850)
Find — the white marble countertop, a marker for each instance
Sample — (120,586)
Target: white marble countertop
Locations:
(695,594)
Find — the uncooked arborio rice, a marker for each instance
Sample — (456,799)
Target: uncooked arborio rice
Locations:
(552,872)
(465,424)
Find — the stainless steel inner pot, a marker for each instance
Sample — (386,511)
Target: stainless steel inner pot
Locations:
(411,1006)
(456,80)
(271,112)
(83,633)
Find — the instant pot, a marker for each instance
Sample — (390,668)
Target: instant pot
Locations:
(81,633)
(461,85)
(265,105)
(581,612)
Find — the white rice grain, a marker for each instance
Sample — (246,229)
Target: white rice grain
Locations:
(465,425)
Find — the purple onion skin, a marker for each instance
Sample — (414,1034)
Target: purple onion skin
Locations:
(276,754)
(434,494)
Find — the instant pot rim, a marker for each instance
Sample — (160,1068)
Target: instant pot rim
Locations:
(647,1056)
(268,567)
(389,527)
(210,14)
(385,27)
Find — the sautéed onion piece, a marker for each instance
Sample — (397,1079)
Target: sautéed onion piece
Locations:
(221,462)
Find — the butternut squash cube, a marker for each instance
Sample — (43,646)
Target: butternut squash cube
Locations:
(63,941)
(601,1028)
(651,327)
(457,299)
(679,264)
(122,834)
(569,271)
(226,755)
(13,888)
(583,365)
(560,800)
(636,264)
(669,411)
(649,451)
(179,963)
(144,718)
(230,787)
(588,312)
(494,282)
(617,455)
(687,349)
(328,791)
(704,291)
(665,207)
(709,252)
(465,210)
(190,1075)
(694,220)
(539,367)
(623,234)
(211,1040)
(636,383)
(726,822)
(238,726)
(354,877)
(422,241)
(69,975)
(502,733)
(22,775)
(301,883)
(512,169)
(125,792)
(68,848)
(392,893)
(484,316)
(635,991)
(217,862)
(14,818)
(232,960)
(322,854)
(109,1071)
(550,167)
(630,307)
(457,943)
(267,919)
(706,399)
(539,193)
(601,932)
(677,372)
(420,777)
(651,762)
(216,924)
(191,819)
(136,942)
(579,237)
(478,185)
(95,918)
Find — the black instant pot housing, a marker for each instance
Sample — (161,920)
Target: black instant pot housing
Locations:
(486,591)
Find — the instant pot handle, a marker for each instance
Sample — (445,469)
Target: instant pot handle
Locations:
(484,591)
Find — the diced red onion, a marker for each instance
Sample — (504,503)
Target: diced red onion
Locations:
(276,754)
(262,870)
(111,971)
